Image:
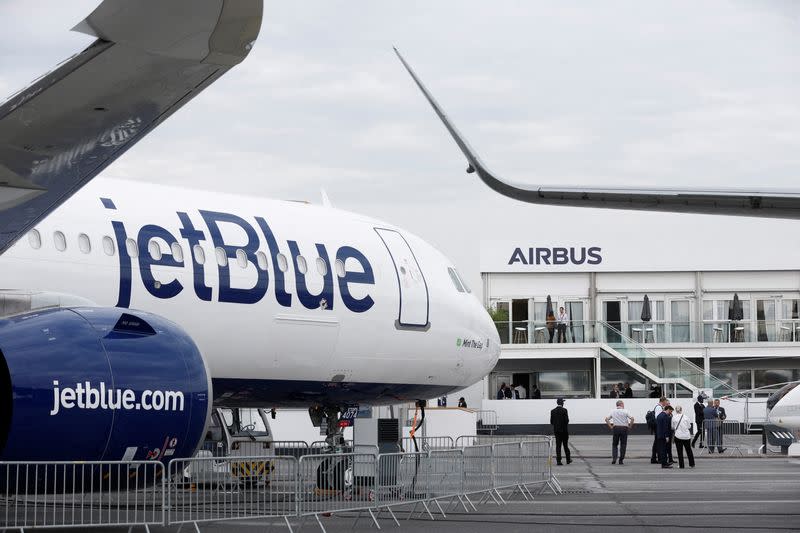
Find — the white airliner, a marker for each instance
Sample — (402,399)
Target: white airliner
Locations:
(245,301)
(764,203)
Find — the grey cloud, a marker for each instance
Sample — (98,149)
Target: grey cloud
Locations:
(619,93)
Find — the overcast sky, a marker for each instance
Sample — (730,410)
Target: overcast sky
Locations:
(612,93)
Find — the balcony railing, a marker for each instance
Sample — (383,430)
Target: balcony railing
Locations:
(655,332)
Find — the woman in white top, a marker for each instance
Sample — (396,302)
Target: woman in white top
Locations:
(683,429)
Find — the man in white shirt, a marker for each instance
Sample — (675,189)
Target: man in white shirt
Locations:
(521,392)
(619,422)
(561,325)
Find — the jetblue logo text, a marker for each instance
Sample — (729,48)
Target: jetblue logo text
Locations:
(87,396)
(557,256)
(357,269)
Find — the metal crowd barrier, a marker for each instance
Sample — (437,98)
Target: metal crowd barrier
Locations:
(212,489)
(334,483)
(724,434)
(275,487)
(85,494)
(426,443)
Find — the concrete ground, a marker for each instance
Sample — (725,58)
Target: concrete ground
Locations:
(723,493)
(727,492)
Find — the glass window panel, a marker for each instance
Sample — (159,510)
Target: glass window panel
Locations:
(539,310)
(679,311)
(241,258)
(283,264)
(657,307)
(261,259)
(60,241)
(35,239)
(790,308)
(454,279)
(302,266)
(199,254)
(765,378)
(222,256)
(743,380)
(84,244)
(635,311)
(322,266)
(564,381)
(108,245)
(154,249)
(131,247)
(177,252)
(463,283)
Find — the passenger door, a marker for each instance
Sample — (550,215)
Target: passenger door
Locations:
(414,304)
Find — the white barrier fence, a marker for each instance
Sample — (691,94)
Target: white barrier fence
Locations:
(281,488)
(87,494)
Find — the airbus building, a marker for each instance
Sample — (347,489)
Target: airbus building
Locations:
(725,303)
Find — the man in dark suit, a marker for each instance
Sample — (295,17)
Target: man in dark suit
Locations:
(721,416)
(663,434)
(559,418)
(628,392)
(698,419)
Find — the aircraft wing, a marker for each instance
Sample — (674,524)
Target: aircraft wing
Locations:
(150,58)
(765,203)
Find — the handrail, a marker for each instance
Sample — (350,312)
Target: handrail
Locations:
(709,381)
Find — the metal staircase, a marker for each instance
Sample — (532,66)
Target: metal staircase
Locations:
(658,368)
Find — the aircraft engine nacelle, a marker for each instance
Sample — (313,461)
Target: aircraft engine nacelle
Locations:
(99,384)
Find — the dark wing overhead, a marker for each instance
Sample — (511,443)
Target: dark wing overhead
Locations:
(149,59)
(768,204)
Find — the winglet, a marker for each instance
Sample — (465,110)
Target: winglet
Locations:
(473,160)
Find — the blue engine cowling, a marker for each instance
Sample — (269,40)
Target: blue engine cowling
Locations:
(99,384)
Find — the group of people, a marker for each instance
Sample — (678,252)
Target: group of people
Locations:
(557,324)
(679,427)
(517,392)
(620,391)
(667,424)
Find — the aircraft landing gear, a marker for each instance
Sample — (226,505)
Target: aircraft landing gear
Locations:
(332,472)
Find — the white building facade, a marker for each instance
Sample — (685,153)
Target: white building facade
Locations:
(601,279)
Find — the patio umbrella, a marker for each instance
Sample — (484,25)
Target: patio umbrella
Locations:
(736,310)
(735,314)
(571,328)
(647,313)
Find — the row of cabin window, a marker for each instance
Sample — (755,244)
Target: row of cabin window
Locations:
(154,249)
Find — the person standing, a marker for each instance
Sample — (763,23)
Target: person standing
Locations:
(619,421)
(462,403)
(562,320)
(508,392)
(663,434)
(657,410)
(550,321)
(698,419)
(520,392)
(614,392)
(683,428)
(501,392)
(559,418)
(721,416)
(713,428)
(628,392)
(536,394)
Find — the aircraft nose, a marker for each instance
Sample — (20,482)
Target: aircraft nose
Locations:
(493,339)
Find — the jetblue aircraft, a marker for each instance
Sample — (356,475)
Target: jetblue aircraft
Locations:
(764,203)
(128,310)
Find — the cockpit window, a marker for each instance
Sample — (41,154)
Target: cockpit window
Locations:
(463,283)
(455,280)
